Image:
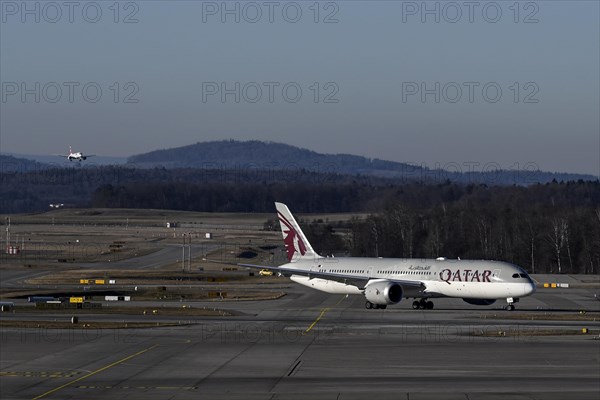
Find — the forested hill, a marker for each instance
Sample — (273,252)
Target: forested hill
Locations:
(231,154)
(257,155)
(10,164)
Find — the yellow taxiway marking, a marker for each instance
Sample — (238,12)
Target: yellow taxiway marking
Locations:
(323,311)
(94,372)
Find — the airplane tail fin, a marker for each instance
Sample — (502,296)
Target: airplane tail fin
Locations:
(296,244)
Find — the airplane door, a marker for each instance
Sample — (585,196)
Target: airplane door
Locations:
(496,275)
(370,272)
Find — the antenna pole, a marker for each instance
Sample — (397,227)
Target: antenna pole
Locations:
(183,256)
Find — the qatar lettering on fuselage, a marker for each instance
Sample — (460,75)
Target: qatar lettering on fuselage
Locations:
(466,275)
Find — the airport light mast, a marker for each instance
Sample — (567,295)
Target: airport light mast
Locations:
(183,255)
(8,234)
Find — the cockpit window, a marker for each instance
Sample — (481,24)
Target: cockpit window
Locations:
(523,275)
(515,275)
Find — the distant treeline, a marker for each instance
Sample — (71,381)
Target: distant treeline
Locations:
(309,197)
(80,186)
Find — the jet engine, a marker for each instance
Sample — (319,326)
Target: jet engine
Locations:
(480,302)
(383,293)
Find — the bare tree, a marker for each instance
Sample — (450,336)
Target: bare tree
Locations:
(374,231)
(485,231)
(403,221)
(532,234)
(557,238)
(566,234)
(434,239)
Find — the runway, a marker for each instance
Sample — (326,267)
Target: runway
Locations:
(314,345)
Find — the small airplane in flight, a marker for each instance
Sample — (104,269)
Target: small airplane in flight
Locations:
(75,155)
(387,281)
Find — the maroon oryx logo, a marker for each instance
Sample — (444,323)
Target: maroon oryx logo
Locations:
(292,240)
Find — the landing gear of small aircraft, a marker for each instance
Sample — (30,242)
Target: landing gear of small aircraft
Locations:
(369,306)
(509,307)
(422,304)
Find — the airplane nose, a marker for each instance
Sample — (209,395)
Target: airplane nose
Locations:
(529,288)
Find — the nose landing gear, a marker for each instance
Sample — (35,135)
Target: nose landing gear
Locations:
(510,306)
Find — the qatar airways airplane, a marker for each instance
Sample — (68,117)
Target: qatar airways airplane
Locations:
(75,155)
(387,281)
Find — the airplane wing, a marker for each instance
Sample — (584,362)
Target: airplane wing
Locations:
(88,155)
(61,155)
(359,281)
(355,280)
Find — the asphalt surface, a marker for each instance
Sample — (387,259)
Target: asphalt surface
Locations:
(313,345)
(166,255)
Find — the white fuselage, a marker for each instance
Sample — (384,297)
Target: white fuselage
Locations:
(75,156)
(470,279)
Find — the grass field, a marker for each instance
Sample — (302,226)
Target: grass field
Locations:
(73,249)
(63,238)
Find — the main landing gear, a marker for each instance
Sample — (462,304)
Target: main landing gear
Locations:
(369,306)
(423,304)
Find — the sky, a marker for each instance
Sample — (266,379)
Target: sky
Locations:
(438,83)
